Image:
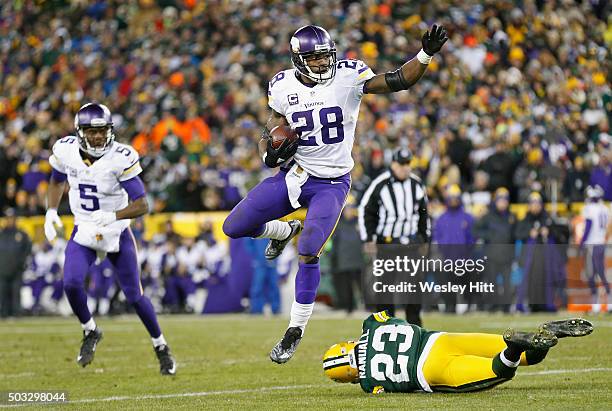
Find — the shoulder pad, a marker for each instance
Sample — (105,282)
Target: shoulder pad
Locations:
(64,146)
(277,78)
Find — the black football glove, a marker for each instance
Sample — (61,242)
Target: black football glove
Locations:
(434,39)
(276,156)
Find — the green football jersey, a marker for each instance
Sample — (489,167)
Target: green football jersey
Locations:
(388,355)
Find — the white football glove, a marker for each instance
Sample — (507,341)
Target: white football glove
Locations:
(52,220)
(103,218)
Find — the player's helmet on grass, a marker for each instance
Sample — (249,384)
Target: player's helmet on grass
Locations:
(312,42)
(594,192)
(94,115)
(339,362)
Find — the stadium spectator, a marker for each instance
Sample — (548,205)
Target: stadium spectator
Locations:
(542,258)
(347,259)
(15,247)
(453,234)
(496,230)
(264,283)
(576,180)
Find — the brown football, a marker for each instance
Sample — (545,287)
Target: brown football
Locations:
(280,134)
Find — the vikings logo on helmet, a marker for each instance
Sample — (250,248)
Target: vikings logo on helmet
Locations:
(312,42)
(94,115)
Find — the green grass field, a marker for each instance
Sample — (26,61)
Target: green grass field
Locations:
(223,364)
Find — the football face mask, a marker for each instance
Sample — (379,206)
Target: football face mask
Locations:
(94,129)
(313,53)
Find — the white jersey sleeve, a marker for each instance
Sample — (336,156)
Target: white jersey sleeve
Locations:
(128,162)
(61,151)
(363,74)
(275,101)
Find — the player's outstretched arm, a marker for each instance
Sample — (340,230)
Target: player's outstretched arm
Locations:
(408,74)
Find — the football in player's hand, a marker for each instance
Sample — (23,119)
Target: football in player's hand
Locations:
(282,133)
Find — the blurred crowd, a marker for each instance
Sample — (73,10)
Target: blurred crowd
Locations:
(519,97)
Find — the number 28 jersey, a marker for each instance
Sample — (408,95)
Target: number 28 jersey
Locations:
(96,186)
(325,115)
(391,354)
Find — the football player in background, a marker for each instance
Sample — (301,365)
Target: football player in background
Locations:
(394,356)
(105,192)
(319,99)
(596,216)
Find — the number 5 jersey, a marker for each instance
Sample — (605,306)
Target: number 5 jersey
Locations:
(95,186)
(391,353)
(325,114)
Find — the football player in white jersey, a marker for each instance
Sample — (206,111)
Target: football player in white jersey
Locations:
(105,192)
(319,99)
(596,216)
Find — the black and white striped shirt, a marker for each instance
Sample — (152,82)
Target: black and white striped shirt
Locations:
(392,210)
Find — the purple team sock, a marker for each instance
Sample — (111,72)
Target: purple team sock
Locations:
(145,311)
(307,282)
(78,301)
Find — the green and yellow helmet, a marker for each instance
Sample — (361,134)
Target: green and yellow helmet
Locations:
(339,362)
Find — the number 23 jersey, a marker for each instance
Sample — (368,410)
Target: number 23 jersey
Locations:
(96,186)
(391,354)
(325,115)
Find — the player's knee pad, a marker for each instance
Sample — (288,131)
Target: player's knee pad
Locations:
(132,294)
(311,241)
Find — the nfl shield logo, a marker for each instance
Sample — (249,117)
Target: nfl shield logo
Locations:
(293,99)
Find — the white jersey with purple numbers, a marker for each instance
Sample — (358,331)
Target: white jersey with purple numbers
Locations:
(599,214)
(96,186)
(325,114)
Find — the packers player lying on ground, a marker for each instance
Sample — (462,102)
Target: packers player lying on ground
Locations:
(394,356)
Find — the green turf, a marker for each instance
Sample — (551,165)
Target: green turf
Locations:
(223,364)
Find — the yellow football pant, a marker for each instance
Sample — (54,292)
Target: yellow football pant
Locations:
(460,362)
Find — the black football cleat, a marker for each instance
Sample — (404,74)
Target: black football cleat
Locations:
(276,247)
(573,327)
(285,348)
(88,346)
(167,364)
(541,340)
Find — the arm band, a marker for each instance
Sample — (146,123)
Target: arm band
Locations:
(58,176)
(134,187)
(396,81)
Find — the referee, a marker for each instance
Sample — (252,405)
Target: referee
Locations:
(393,210)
